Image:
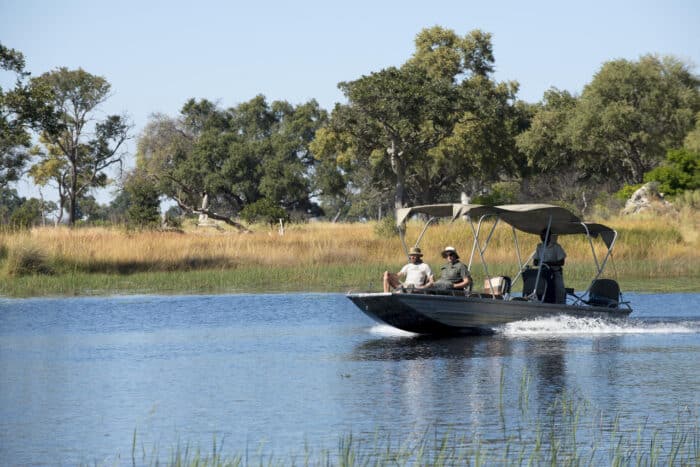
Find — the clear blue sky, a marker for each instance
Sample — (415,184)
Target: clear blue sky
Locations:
(157,54)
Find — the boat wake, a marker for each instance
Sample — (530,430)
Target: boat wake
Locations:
(389,331)
(568,325)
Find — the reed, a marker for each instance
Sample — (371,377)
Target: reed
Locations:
(569,431)
(651,252)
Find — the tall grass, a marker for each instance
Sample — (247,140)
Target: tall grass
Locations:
(315,256)
(569,431)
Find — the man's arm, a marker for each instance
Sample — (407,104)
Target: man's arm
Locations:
(466,278)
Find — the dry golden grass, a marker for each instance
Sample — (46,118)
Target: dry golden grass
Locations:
(648,247)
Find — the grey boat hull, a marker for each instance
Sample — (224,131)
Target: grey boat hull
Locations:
(439,314)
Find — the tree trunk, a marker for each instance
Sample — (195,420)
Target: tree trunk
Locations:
(73,195)
(205,211)
(399,168)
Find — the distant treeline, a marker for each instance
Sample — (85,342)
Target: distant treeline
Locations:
(439,128)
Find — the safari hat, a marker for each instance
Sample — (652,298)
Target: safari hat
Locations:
(415,251)
(449,249)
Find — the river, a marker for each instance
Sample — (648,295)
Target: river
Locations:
(281,375)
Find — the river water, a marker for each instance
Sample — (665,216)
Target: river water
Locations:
(281,375)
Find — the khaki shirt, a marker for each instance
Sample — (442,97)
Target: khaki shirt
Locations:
(451,273)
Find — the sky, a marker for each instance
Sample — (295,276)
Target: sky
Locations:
(158,54)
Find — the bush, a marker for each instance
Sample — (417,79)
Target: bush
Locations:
(386,228)
(27,215)
(264,210)
(626,192)
(26,260)
(679,172)
(143,203)
(501,193)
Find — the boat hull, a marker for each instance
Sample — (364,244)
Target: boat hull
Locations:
(438,314)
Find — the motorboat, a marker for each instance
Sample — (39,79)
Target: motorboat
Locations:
(438,311)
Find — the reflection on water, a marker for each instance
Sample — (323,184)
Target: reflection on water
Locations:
(415,347)
(80,375)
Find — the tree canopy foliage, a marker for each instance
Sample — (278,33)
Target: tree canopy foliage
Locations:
(215,162)
(622,124)
(22,109)
(433,127)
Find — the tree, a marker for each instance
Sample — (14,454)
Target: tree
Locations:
(21,109)
(632,113)
(617,130)
(9,201)
(143,209)
(216,162)
(428,128)
(556,169)
(692,139)
(30,212)
(75,158)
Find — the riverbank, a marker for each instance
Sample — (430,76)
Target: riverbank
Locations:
(285,280)
(652,255)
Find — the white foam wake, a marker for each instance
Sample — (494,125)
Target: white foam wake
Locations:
(568,325)
(386,330)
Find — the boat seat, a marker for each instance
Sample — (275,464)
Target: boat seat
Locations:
(545,287)
(604,292)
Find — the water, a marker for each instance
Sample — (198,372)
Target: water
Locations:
(275,373)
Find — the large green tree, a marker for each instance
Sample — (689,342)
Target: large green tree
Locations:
(633,112)
(15,140)
(76,153)
(215,162)
(623,123)
(21,109)
(429,129)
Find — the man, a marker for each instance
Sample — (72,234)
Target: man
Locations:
(453,274)
(550,253)
(416,272)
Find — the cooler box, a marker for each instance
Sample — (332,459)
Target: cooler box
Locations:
(501,285)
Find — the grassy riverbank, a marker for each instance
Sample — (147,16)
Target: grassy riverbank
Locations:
(653,254)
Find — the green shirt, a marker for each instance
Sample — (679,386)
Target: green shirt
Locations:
(451,273)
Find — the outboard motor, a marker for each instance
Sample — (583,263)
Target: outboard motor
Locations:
(604,292)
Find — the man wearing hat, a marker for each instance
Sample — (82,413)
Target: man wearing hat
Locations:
(453,274)
(418,274)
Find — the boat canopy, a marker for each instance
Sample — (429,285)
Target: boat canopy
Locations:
(530,218)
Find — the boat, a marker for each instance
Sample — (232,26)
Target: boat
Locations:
(448,312)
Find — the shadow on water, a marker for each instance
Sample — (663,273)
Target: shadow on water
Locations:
(431,347)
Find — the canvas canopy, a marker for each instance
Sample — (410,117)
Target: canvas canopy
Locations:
(530,218)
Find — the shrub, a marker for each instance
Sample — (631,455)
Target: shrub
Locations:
(27,215)
(501,193)
(626,192)
(263,210)
(144,203)
(679,172)
(25,260)
(386,228)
